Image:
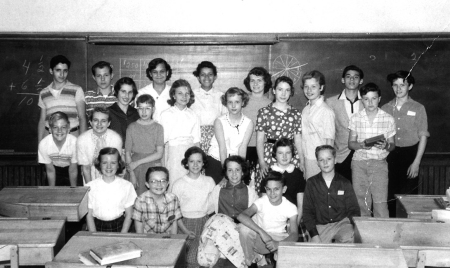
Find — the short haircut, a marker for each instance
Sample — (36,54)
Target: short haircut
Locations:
(235,91)
(145,98)
(241,162)
(403,75)
(353,68)
(59,59)
(177,84)
(150,170)
(194,150)
(325,147)
(125,81)
(369,87)
(316,75)
(101,65)
(259,71)
(154,63)
(286,80)
(283,142)
(205,64)
(272,176)
(57,116)
(102,110)
(109,151)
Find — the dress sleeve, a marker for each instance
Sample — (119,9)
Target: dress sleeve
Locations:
(160,136)
(129,138)
(261,120)
(137,210)
(43,156)
(422,123)
(297,122)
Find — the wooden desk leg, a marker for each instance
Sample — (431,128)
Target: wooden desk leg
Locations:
(14,257)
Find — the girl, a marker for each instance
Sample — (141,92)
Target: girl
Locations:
(181,128)
(258,82)
(228,202)
(232,132)
(277,120)
(282,151)
(144,144)
(111,198)
(159,72)
(192,190)
(208,105)
(121,113)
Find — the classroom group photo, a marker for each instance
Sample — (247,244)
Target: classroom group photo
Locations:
(238,170)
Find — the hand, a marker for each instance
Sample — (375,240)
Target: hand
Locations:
(191,234)
(381,144)
(413,170)
(364,147)
(133,165)
(264,169)
(270,245)
(316,239)
(134,181)
(223,183)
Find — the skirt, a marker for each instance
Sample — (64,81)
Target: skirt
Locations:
(195,225)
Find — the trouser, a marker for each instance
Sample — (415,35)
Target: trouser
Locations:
(370,182)
(345,168)
(336,232)
(399,161)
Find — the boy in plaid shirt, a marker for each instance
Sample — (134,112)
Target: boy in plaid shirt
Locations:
(369,166)
(156,211)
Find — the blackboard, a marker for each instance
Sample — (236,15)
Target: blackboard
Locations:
(377,58)
(24,72)
(233,61)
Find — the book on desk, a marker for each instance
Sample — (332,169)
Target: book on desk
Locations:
(111,253)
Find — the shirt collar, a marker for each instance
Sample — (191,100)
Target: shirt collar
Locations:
(342,96)
(318,102)
(110,93)
(239,186)
(289,168)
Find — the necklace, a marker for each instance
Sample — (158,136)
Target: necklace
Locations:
(236,126)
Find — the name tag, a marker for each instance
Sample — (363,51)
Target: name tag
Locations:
(340,192)
(411,113)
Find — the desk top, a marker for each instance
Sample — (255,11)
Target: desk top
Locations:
(158,250)
(418,206)
(44,201)
(31,233)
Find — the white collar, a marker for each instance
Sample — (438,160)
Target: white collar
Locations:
(289,169)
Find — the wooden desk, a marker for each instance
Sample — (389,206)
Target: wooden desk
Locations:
(44,201)
(416,206)
(291,254)
(411,235)
(157,250)
(38,240)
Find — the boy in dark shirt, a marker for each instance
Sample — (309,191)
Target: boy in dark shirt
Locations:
(329,202)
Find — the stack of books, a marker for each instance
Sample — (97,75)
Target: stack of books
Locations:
(111,254)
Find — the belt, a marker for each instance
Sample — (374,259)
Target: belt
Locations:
(71,130)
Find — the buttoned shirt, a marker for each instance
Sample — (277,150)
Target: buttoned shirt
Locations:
(383,123)
(48,152)
(410,121)
(156,220)
(317,125)
(233,199)
(160,99)
(208,105)
(323,204)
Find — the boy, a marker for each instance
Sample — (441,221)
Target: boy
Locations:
(59,152)
(410,140)
(317,121)
(159,72)
(272,211)
(156,211)
(104,95)
(329,202)
(63,96)
(369,167)
(93,140)
(345,105)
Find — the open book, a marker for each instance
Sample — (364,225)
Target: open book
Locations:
(115,253)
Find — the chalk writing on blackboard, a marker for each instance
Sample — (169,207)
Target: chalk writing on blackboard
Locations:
(287,65)
(135,69)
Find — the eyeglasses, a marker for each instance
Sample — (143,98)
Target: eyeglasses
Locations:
(158,181)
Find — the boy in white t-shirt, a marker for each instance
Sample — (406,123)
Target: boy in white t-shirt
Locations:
(58,152)
(262,233)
